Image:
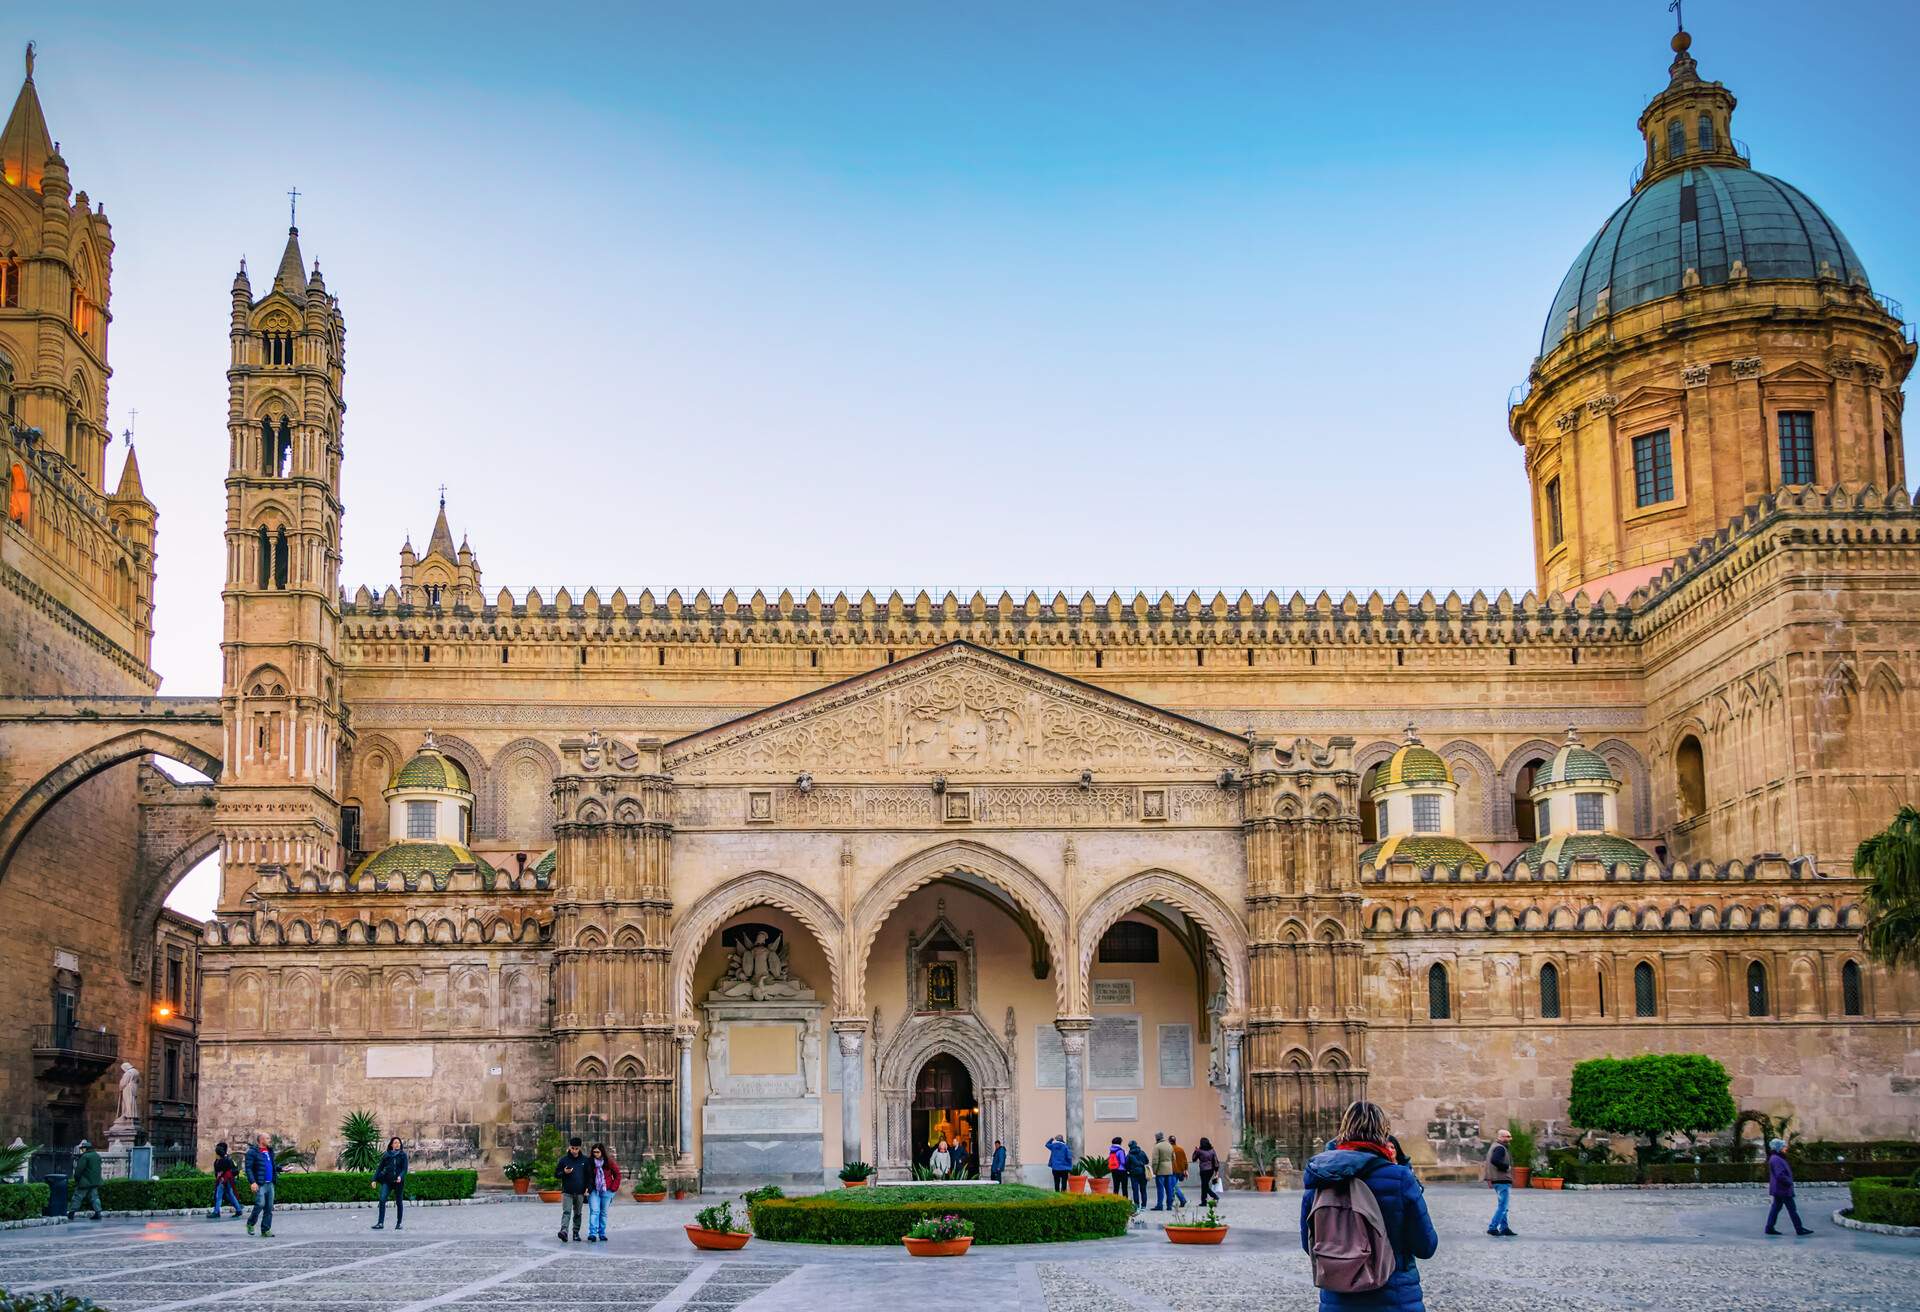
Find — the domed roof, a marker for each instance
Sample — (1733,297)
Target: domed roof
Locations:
(542,870)
(1608,849)
(1702,218)
(1413,764)
(432,769)
(1574,764)
(1422,850)
(410,862)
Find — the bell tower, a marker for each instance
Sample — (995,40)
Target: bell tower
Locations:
(280,684)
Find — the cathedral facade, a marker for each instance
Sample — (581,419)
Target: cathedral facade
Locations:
(761,884)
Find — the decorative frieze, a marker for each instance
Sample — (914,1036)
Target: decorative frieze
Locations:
(1748,367)
(1696,375)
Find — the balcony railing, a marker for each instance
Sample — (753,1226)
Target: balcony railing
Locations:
(1705,157)
(68,1054)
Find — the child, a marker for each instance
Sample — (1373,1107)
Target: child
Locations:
(224,1174)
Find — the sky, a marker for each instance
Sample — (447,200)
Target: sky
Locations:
(911,295)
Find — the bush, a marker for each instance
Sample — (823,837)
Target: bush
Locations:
(1004,1214)
(54,1302)
(360,1142)
(546,1155)
(185,1171)
(1521,1151)
(1859,1150)
(1566,1163)
(1651,1095)
(18,1202)
(1884,1201)
(308,1187)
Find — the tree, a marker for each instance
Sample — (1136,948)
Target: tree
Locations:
(1652,1095)
(360,1134)
(1890,863)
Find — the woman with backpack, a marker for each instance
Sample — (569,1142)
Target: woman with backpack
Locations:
(1363,1220)
(391,1177)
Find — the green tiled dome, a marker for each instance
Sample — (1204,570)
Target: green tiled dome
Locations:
(431,769)
(542,870)
(410,863)
(1413,764)
(1575,764)
(1608,849)
(1422,850)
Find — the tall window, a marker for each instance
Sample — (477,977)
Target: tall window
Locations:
(280,559)
(1130,941)
(1380,819)
(1600,989)
(1690,769)
(1439,1005)
(420,820)
(1542,818)
(1707,141)
(1550,991)
(1852,1001)
(1590,810)
(1886,452)
(1652,468)
(10,282)
(266,558)
(1756,989)
(172,1069)
(1369,833)
(176,980)
(1646,1002)
(1426,814)
(1676,139)
(1523,809)
(1796,447)
(1556,533)
(350,828)
(268,458)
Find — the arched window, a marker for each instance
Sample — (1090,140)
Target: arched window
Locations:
(1676,140)
(1439,1005)
(280,559)
(1690,770)
(1380,827)
(1706,133)
(283,461)
(1646,1001)
(266,558)
(1756,989)
(267,460)
(1523,812)
(1852,1000)
(10,281)
(1369,829)
(1600,989)
(1550,991)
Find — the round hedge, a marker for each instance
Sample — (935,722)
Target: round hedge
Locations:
(1002,1214)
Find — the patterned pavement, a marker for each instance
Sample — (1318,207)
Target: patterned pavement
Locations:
(1582,1252)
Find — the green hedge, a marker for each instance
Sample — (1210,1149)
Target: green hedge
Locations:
(54,1302)
(1885,1201)
(19,1202)
(294,1187)
(1565,1163)
(1855,1150)
(999,1215)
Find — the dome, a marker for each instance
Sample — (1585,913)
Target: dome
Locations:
(1422,850)
(1702,218)
(1413,764)
(431,769)
(410,862)
(1574,764)
(1608,849)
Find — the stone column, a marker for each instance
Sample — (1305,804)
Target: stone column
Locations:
(1073,1043)
(1235,1040)
(851,1035)
(683,1040)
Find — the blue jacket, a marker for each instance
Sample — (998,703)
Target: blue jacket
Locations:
(1059,1155)
(1000,1158)
(1402,1204)
(1779,1176)
(260,1169)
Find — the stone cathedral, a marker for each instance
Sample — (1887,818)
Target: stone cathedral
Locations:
(760,884)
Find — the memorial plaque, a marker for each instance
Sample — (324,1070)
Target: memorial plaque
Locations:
(1116,1109)
(1176,1056)
(1049,1058)
(400,1061)
(1113,1053)
(1113,993)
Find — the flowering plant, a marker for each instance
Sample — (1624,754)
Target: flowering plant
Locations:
(1196,1218)
(942,1229)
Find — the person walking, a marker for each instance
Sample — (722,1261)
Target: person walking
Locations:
(1361,1152)
(999,1160)
(1138,1164)
(1497,1171)
(575,1175)
(224,1174)
(85,1183)
(1162,1160)
(1059,1161)
(1207,1162)
(1780,1188)
(959,1159)
(1179,1171)
(391,1179)
(941,1162)
(260,1174)
(603,1187)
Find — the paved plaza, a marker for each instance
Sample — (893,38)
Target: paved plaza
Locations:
(1585,1250)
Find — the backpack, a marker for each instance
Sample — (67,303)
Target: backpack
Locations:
(1347,1239)
(1116,1158)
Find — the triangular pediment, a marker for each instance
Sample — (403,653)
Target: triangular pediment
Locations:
(963,711)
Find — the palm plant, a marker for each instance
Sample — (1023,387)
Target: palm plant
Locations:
(360,1150)
(12,1159)
(288,1155)
(1890,863)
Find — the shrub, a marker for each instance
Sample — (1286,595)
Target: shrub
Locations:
(941,1229)
(1521,1151)
(310,1187)
(360,1146)
(546,1155)
(718,1217)
(1858,1150)
(18,1202)
(1005,1214)
(53,1302)
(649,1179)
(764,1193)
(856,1171)
(1651,1095)
(13,1160)
(185,1171)
(1884,1201)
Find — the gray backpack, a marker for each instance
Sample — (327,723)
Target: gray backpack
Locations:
(1347,1239)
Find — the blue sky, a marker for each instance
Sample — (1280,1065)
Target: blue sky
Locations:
(875,295)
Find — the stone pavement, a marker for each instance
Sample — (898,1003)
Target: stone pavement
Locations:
(1696,1250)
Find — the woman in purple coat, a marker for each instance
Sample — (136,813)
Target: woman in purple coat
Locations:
(1780,1187)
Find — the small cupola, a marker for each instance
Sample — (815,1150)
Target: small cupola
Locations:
(1412,797)
(1688,124)
(1576,808)
(430,799)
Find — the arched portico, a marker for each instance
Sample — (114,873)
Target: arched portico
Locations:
(1200,904)
(762,888)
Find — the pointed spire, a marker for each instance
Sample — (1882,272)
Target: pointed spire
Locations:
(291,277)
(130,489)
(442,540)
(25,144)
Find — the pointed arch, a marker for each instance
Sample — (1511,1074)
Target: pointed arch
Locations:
(762,888)
(1465,757)
(1201,904)
(1630,768)
(516,802)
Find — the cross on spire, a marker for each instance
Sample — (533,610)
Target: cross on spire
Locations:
(133,422)
(293,207)
(1679,19)
(443,496)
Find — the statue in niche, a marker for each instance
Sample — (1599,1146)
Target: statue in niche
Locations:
(943,986)
(757,969)
(810,1059)
(716,1056)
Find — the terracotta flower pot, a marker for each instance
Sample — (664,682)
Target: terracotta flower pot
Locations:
(1077,1184)
(1549,1182)
(639,1197)
(549,1195)
(717,1241)
(853,1184)
(1522,1174)
(1263,1183)
(1101,1184)
(678,1194)
(938,1247)
(1196,1234)
(522,1185)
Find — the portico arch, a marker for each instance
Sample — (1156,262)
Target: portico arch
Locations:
(989,1065)
(760,889)
(1199,904)
(1034,896)
(147,915)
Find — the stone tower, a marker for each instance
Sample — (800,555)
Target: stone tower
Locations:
(280,682)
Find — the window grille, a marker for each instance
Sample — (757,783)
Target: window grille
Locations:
(1590,810)
(1645,999)
(1439,1005)
(1756,989)
(1550,991)
(1852,1002)
(1130,941)
(420,820)
(1542,818)
(1676,139)
(1796,447)
(1653,468)
(1426,814)
(1707,141)
(1555,532)
(1380,819)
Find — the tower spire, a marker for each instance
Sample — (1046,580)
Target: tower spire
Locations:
(25,143)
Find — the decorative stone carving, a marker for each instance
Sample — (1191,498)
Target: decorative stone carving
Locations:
(1874,373)
(758,971)
(1566,421)
(129,1092)
(1748,367)
(1603,404)
(1696,375)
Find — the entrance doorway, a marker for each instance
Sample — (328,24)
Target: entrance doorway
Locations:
(943,1104)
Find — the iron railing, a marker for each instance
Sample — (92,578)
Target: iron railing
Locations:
(74,1039)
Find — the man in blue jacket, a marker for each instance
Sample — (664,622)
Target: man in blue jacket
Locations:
(999,1160)
(1059,1161)
(1362,1152)
(260,1174)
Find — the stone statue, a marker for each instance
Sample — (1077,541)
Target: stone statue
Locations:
(716,1056)
(129,1092)
(758,970)
(810,1058)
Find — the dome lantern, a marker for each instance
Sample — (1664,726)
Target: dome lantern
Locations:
(1412,797)
(1576,802)
(1688,124)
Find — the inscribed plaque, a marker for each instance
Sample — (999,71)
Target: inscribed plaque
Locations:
(1176,1056)
(1049,1058)
(762,1050)
(1116,1109)
(1113,1053)
(399,1061)
(1113,993)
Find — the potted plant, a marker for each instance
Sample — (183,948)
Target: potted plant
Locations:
(855,1174)
(1194,1226)
(939,1236)
(713,1229)
(1520,1153)
(682,1185)
(519,1171)
(1261,1150)
(546,1156)
(650,1186)
(1099,1175)
(1086,1172)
